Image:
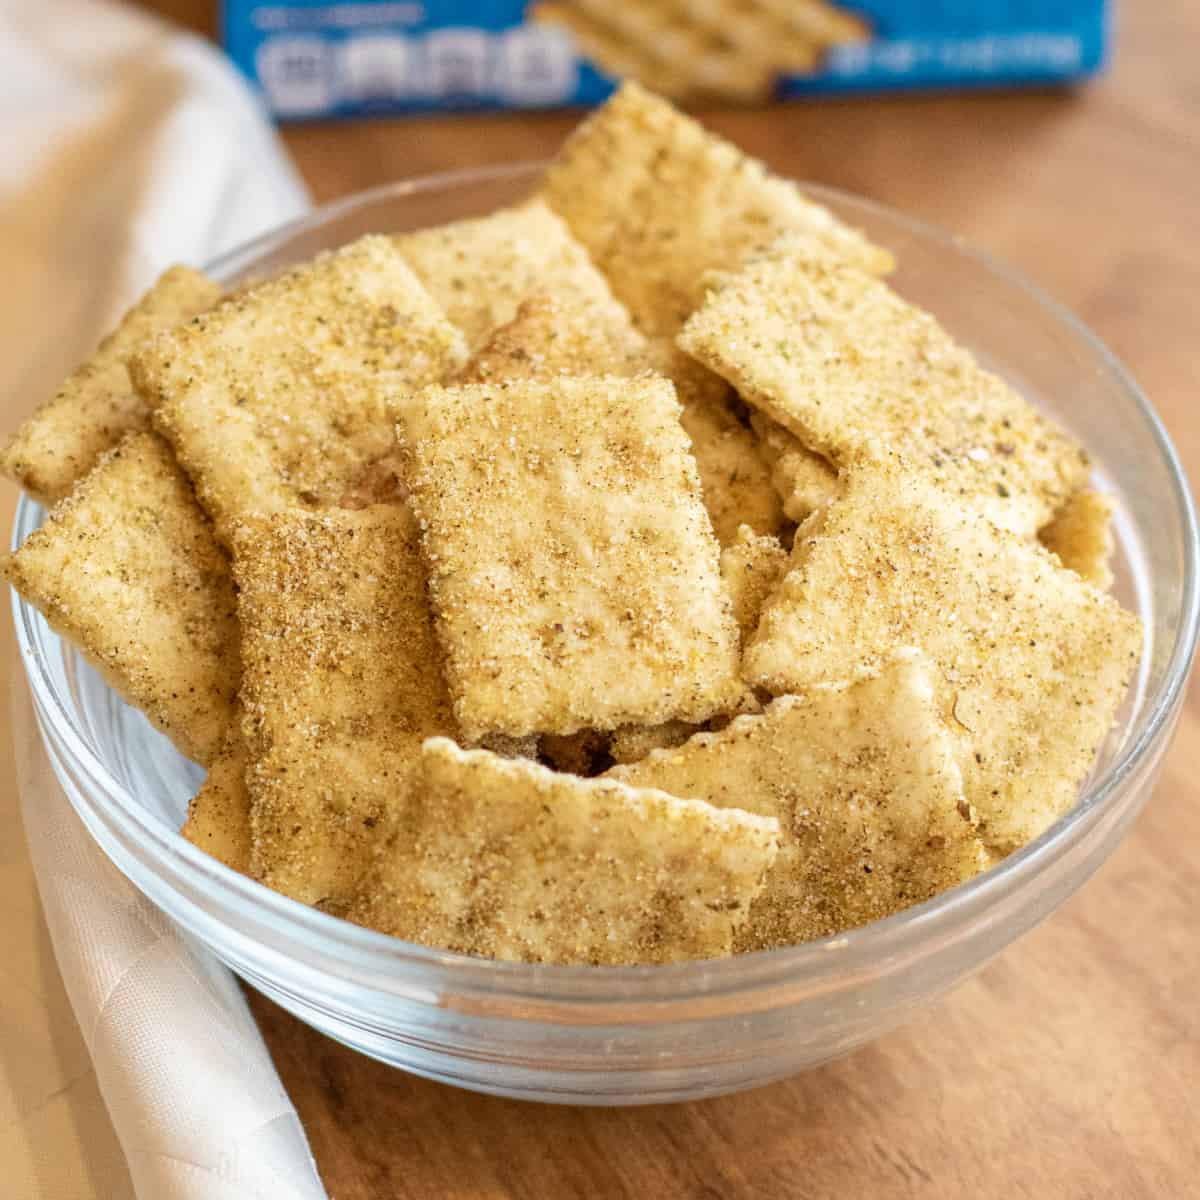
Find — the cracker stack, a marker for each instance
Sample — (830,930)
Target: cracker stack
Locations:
(467,561)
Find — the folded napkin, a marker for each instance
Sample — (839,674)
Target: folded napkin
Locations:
(127,146)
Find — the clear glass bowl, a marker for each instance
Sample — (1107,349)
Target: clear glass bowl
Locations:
(636,1035)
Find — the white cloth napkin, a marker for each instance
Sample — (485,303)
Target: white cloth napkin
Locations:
(127,146)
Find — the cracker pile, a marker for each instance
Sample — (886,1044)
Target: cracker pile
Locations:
(467,561)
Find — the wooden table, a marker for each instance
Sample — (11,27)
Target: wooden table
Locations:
(1068,1069)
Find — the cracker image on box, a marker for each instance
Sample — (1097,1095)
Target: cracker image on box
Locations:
(863,779)
(1032,661)
(97,404)
(638,42)
(842,361)
(342,684)
(574,576)
(677,202)
(128,568)
(278,397)
(732,50)
(504,858)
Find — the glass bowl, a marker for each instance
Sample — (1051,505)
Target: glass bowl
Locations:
(607,1035)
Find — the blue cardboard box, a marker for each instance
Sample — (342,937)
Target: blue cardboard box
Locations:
(330,58)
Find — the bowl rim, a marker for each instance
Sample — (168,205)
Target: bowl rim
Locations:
(882,946)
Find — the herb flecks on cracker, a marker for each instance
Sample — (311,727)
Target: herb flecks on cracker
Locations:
(481,270)
(736,481)
(573,571)
(864,781)
(548,338)
(1032,662)
(128,569)
(658,201)
(342,684)
(839,358)
(506,859)
(280,396)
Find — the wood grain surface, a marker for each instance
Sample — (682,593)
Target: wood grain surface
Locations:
(1070,1067)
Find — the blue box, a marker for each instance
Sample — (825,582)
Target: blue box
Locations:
(348,58)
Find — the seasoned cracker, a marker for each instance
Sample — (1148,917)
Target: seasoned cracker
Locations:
(1033,661)
(863,780)
(342,684)
(1081,535)
(546,338)
(837,357)
(802,479)
(751,566)
(97,405)
(573,571)
(218,820)
(281,396)
(505,859)
(128,569)
(481,271)
(658,201)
